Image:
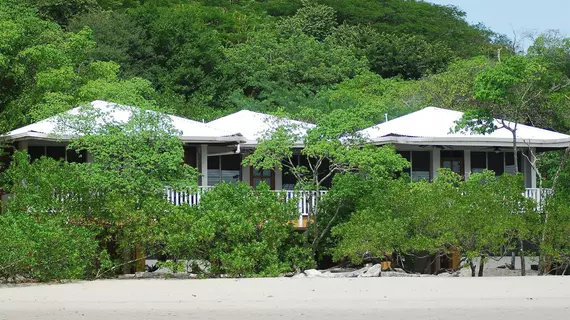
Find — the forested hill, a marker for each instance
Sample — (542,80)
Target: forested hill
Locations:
(203,59)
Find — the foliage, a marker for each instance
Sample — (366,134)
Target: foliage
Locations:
(45,249)
(313,19)
(331,148)
(240,232)
(119,195)
(477,216)
(555,246)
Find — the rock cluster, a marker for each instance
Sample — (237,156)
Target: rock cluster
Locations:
(366,272)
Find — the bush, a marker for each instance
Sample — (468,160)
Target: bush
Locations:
(44,249)
(240,232)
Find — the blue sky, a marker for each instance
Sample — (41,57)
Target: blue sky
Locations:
(504,16)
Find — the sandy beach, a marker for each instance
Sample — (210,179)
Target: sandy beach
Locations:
(285,298)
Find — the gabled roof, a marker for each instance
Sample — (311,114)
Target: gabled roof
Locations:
(254,125)
(191,131)
(432,126)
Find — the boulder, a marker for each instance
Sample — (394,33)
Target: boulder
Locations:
(313,273)
(372,272)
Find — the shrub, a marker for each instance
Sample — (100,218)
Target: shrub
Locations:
(240,232)
(44,249)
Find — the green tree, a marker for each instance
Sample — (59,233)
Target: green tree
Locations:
(313,19)
(120,193)
(62,11)
(269,72)
(332,147)
(240,232)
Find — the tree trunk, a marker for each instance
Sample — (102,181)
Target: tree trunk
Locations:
(515,151)
(126,259)
(523,266)
(513,260)
(481,266)
(473,268)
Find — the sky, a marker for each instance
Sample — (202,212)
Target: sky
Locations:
(504,16)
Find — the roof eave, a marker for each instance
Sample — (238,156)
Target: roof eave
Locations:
(473,142)
(64,138)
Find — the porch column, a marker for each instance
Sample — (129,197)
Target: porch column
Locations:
(467,163)
(88,157)
(278,178)
(435,162)
(204,165)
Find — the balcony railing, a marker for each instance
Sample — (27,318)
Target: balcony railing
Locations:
(539,195)
(306,200)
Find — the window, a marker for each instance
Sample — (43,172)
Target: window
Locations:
(478,162)
(289,180)
(453,160)
(510,162)
(420,164)
(257,176)
(190,154)
(496,162)
(57,153)
(223,169)
(74,156)
(36,152)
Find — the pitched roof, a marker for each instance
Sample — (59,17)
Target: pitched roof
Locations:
(191,131)
(432,126)
(254,125)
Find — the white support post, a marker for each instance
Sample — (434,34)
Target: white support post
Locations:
(435,162)
(278,178)
(204,165)
(88,157)
(467,163)
(245,172)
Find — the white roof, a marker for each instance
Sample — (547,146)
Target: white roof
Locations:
(255,126)
(191,131)
(432,126)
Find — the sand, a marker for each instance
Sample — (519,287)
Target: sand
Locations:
(285,298)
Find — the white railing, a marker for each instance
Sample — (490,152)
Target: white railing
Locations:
(190,197)
(306,200)
(539,195)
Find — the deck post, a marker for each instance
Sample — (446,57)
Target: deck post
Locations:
(204,165)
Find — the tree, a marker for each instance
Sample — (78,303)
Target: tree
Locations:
(240,232)
(513,91)
(491,212)
(271,73)
(331,148)
(475,217)
(120,194)
(313,19)
(62,11)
